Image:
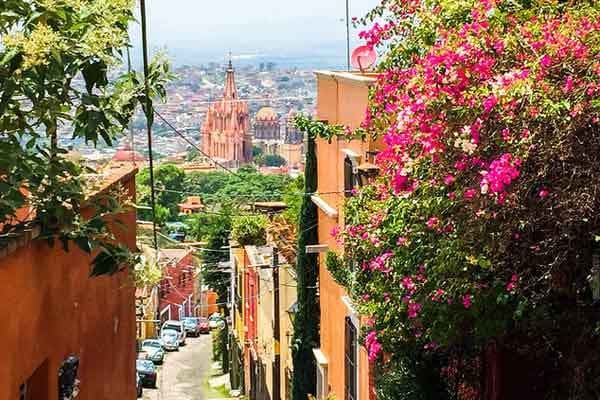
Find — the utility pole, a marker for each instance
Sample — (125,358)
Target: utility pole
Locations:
(276,327)
(149,111)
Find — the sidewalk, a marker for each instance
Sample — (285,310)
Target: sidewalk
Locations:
(217,386)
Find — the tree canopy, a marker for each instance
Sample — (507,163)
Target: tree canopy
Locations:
(59,63)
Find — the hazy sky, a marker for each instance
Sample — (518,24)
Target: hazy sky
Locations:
(211,28)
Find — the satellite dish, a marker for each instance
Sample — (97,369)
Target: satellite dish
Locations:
(363,57)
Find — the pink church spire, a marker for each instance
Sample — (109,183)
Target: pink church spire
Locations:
(230,90)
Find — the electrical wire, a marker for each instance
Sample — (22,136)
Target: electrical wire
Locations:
(191,143)
(254,99)
(272,193)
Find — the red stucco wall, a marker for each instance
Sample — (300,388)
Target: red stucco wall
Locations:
(51,309)
(174,292)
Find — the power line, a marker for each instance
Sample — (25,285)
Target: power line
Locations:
(257,99)
(191,143)
(272,193)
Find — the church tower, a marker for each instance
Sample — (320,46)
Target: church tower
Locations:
(225,132)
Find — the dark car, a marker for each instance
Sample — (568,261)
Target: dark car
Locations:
(190,324)
(138,385)
(203,325)
(147,372)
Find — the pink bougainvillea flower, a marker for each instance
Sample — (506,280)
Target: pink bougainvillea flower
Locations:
(449,179)
(372,345)
(433,222)
(467,301)
(511,286)
(437,295)
(545,61)
(543,193)
(501,172)
(470,193)
(460,165)
(407,283)
(569,84)
(402,241)
(335,231)
(430,346)
(489,103)
(413,309)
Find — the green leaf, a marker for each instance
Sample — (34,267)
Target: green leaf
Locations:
(8,56)
(83,243)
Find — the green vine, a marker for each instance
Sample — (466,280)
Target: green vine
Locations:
(323,130)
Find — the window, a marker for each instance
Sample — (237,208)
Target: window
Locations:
(348,176)
(350,357)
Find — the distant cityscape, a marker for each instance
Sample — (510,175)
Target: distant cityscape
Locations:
(194,88)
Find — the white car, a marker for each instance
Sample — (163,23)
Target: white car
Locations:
(169,339)
(154,351)
(215,321)
(176,326)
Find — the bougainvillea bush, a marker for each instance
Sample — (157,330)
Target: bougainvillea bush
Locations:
(473,251)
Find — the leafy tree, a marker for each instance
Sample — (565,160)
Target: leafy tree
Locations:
(46,47)
(257,151)
(306,323)
(169,181)
(292,196)
(245,186)
(192,154)
(271,160)
(250,230)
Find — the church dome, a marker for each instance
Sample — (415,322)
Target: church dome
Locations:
(126,153)
(266,114)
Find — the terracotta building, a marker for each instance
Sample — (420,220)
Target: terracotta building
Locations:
(178,287)
(54,313)
(226,129)
(191,205)
(343,365)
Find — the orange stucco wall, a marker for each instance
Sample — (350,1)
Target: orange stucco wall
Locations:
(343,100)
(51,309)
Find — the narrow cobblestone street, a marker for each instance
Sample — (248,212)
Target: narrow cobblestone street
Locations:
(184,374)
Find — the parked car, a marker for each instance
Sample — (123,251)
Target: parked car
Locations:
(215,321)
(153,349)
(138,385)
(170,339)
(176,326)
(147,372)
(203,326)
(190,324)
